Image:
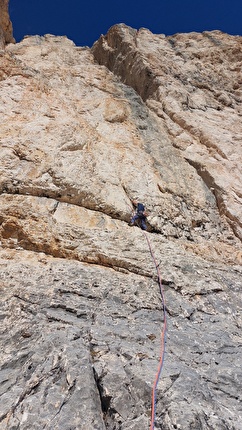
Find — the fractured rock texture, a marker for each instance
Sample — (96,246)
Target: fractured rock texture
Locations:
(193,84)
(82,133)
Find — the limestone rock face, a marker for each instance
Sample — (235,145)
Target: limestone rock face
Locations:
(192,82)
(6,30)
(81,312)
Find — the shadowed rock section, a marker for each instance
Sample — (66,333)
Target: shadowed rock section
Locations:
(80,309)
(6,30)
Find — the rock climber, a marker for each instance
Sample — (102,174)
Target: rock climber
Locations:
(139,216)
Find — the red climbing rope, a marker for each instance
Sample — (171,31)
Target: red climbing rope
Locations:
(163,338)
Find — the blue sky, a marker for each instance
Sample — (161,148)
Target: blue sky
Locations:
(84,21)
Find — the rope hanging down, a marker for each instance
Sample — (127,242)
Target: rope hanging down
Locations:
(163,338)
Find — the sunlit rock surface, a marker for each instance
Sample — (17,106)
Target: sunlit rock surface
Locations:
(192,82)
(83,132)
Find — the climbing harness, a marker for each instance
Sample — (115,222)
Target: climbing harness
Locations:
(163,337)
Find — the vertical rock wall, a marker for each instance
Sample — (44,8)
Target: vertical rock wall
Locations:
(6,30)
(80,309)
(192,82)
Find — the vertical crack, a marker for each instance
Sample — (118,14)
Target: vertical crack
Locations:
(104,398)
